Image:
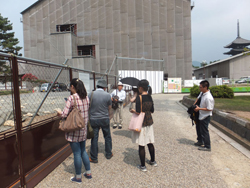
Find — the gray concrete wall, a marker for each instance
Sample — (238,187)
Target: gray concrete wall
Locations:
(221,68)
(155,29)
(240,67)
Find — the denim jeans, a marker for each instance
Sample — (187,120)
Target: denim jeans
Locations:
(98,124)
(204,131)
(80,155)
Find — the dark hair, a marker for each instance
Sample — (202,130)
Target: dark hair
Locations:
(204,83)
(80,88)
(144,84)
(100,87)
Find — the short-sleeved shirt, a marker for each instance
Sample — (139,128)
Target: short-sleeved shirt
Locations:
(121,94)
(207,101)
(100,104)
(83,105)
(147,107)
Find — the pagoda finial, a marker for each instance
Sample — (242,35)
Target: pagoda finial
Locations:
(238,29)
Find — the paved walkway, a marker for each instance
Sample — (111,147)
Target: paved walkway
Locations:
(180,164)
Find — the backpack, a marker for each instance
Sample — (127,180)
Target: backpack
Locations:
(194,116)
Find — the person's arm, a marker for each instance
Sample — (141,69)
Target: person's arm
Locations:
(110,112)
(137,106)
(197,98)
(210,106)
(66,109)
(152,108)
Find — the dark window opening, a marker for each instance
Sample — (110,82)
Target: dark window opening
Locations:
(88,50)
(214,74)
(67,28)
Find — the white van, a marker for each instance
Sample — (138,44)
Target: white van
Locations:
(45,87)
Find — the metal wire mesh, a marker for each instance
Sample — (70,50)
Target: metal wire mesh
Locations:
(6,97)
(43,96)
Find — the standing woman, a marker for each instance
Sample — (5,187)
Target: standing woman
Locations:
(77,138)
(146,136)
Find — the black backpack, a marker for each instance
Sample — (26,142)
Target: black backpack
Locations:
(194,116)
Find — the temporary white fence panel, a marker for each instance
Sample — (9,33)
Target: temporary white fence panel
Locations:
(190,83)
(155,78)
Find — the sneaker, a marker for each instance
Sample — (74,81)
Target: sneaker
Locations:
(142,168)
(73,179)
(114,126)
(110,156)
(92,161)
(120,127)
(88,176)
(204,149)
(198,143)
(151,163)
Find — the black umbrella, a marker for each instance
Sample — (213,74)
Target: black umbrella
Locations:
(130,81)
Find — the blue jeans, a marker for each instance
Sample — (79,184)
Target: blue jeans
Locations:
(98,124)
(80,155)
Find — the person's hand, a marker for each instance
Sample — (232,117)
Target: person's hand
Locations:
(132,110)
(59,113)
(197,108)
(116,99)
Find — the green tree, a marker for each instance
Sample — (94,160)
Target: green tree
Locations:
(8,44)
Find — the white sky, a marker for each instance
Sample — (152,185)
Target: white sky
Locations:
(214,24)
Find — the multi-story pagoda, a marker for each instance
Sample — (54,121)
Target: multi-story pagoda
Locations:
(238,44)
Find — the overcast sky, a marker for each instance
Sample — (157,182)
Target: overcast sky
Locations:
(214,24)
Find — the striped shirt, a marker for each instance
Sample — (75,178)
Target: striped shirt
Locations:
(83,105)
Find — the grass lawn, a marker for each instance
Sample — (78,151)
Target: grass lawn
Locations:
(238,103)
(9,92)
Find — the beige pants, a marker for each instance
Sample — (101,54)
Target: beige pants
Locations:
(118,115)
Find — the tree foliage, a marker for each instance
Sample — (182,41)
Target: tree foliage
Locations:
(8,44)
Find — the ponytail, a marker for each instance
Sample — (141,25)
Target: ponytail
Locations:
(80,88)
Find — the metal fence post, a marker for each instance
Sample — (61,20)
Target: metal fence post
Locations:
(18,119)
(94,79)
(107,82)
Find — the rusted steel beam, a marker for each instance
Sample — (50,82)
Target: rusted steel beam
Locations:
(18,119)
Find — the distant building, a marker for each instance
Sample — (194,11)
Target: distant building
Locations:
(238,45)
(233,68)
(91,33)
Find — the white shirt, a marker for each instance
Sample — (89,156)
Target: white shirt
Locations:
(121,94)
(207,101)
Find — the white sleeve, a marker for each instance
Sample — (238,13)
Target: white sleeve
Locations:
(210,104)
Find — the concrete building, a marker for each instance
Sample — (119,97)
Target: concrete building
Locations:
(92,32)
(233,68)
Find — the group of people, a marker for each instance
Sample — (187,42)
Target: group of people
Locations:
(97,108)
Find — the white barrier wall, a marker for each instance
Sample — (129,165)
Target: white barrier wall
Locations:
(155,78)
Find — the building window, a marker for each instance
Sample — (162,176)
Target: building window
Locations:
(87,50)
(67,28)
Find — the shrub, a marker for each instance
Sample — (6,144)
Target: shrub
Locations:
(217,91)
(222,92)
(195,91)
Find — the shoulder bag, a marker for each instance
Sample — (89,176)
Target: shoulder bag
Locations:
(137,120)
(74,120)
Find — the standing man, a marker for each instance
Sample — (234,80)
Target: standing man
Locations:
(118,112)
(99,119)
(205,112)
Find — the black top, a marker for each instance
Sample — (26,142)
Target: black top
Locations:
(147,107)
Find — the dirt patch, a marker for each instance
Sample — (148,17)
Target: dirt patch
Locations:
(241,114)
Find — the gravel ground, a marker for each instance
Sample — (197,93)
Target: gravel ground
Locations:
(180,164)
